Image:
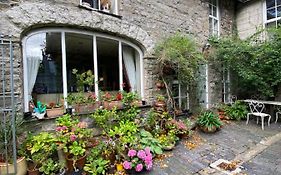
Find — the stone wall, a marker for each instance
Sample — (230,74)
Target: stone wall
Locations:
(249,18)
(142,22)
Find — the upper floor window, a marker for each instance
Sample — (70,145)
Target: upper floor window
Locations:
(273,13)
(213,17)
(109,6)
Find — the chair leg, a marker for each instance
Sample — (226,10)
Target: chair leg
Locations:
(262,123)
(276,117)
(247,119)
(269,118)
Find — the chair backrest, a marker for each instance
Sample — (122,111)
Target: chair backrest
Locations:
(256,106)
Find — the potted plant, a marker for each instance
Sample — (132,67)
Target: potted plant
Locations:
(179,127)
(52,167)
(37,149)
(237,111)
(72,136)
(131,99)
(168,140)
(54,110)
(209,121)
(6,148)
(160,102)
(138,160)
(111,101)
(39,110)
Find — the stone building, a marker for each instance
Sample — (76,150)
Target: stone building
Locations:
(115,39)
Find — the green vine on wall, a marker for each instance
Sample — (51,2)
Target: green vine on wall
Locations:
(256,61)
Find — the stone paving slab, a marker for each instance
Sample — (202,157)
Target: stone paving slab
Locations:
(233,139)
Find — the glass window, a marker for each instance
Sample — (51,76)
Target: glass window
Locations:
(213,17)
(109,6)
(50,57)
(180,95)
(273,13)
(43,55)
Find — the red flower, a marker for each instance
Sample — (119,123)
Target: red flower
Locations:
(118,96)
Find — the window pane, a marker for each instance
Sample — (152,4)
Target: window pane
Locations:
(270,3)
(79,56)
(215,11)
(44,62)
(271,24)
(271,13)
(279,11)
(131,69)
(278,2)
(213,2)
(108,64)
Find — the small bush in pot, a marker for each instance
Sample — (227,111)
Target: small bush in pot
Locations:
(209,121)
(236,111)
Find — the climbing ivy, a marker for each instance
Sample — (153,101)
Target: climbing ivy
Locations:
(256,61)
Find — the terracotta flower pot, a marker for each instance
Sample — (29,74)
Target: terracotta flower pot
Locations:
(71,163)
(208,129)
(112,104)
(55,112)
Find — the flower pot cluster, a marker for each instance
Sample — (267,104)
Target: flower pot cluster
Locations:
(128,144)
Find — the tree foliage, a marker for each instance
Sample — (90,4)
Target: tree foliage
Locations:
(181,53)
(255,60)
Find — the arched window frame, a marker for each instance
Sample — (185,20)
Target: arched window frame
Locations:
(94,35)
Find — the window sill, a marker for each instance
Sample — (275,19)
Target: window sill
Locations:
(100,11)
(29,119)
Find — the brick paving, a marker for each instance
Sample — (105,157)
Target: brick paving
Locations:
(234,139)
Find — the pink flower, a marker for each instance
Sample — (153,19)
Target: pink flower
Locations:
(147,150)
(139,167)
(127,165)
(141,154)
(148,166)
(73,137)
(59,128)
(132,153)
(63,127)
(148,158)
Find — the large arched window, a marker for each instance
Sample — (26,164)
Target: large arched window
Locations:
(49,57)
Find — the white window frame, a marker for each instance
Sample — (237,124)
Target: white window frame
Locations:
(273,20)
(181,96)
(94,35)
(215,18)
(115,11)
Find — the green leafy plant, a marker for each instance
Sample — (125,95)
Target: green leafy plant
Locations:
(124,135)
(147,140)
(128,98)
(84,79)
(66,120)
(51,167)
(168,140)
(179,127)
(38,148)
(209,119)
(237,111)
(104,118)
(128,114)
(96,166)
(77,149)
(254,62)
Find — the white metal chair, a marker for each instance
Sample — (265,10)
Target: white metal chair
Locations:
(276,114)
(256,109)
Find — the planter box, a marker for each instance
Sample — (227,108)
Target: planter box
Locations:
(55,112)
(112,104)
(86,108)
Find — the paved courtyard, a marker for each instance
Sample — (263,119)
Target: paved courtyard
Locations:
(258,151)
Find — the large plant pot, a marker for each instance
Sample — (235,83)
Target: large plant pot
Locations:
(33,172)
(21,167)
(208,129)
(79,163)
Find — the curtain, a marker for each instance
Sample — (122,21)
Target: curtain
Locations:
(33,63)
(138,75)
(130,66)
